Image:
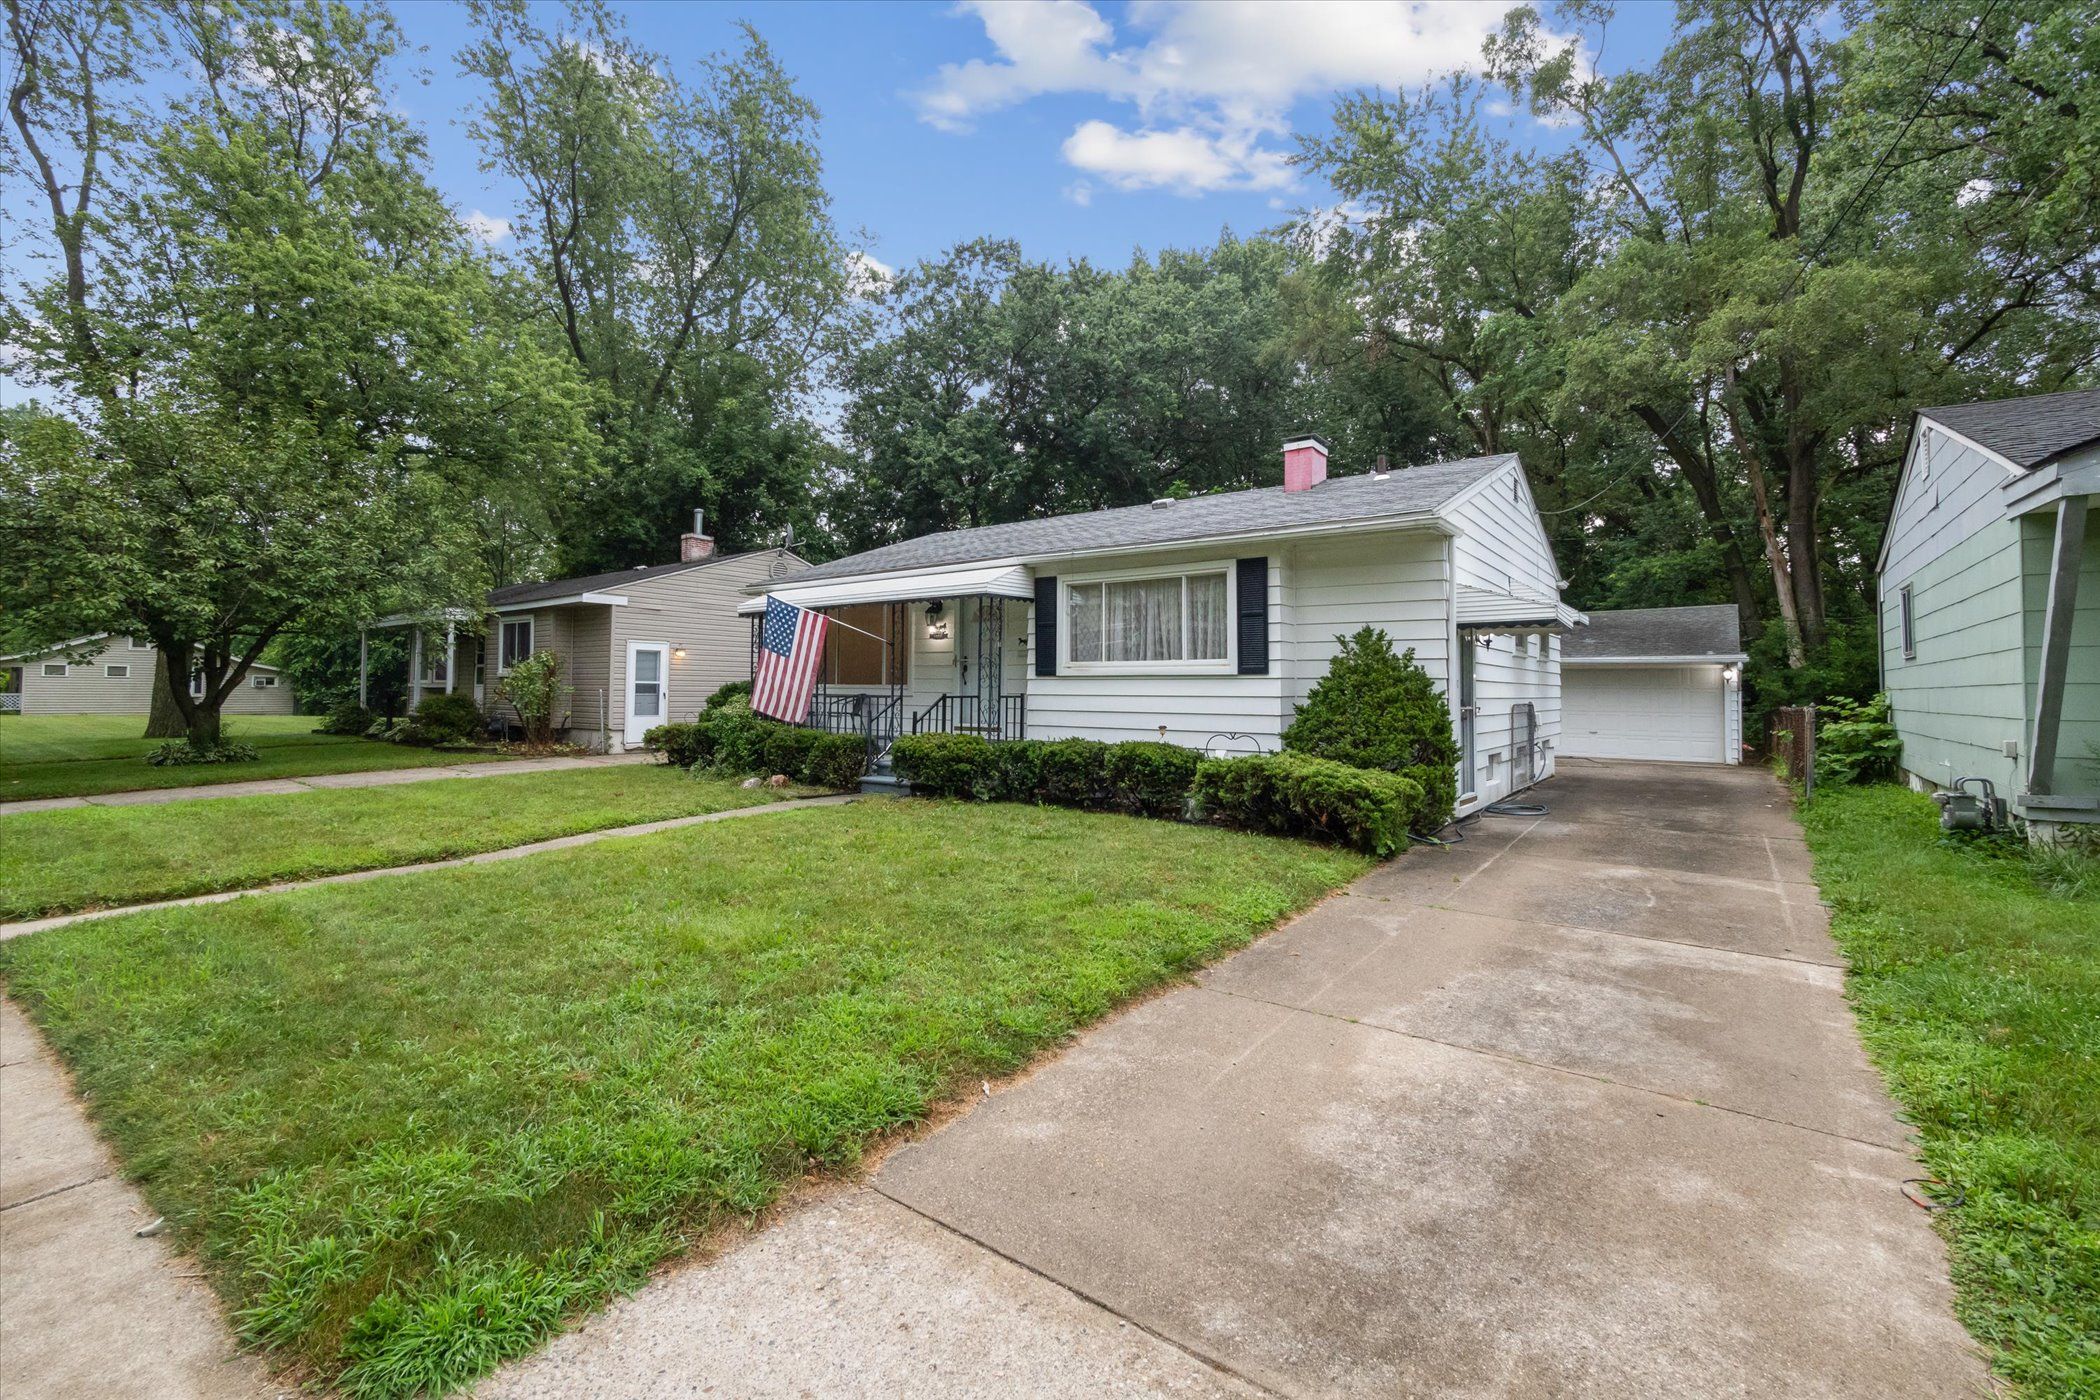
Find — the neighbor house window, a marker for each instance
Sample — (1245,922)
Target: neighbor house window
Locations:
(1909,623)
(196,685)
(854,657)
(1152,619)
(54,669)
(117,673)
(137,645)
(262,682)
(515,646)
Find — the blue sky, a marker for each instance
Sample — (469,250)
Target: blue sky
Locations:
(1081,129)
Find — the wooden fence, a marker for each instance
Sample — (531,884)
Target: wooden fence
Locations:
(1790,737)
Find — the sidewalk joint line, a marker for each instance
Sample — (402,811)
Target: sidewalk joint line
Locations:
(55,1191)
(1550,1067)
(1184,1348)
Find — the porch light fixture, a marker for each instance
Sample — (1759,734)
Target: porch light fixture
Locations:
(1731,674)
(678,653)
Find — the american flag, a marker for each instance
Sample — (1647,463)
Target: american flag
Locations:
(790,647)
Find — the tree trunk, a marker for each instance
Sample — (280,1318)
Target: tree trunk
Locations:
(165,720)
(1768,529)
(1699,472)
(1802,546)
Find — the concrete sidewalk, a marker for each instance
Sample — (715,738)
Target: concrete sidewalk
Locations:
(534,848)
(88,1309)
(324,782)
(1575,1108)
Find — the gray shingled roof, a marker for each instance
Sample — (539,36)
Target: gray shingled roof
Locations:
(2028,432)
(592,583)
(1336,501)
(1710,630)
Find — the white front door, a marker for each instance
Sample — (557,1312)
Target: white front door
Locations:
(648,688)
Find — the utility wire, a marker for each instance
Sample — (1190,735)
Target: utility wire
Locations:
(1844,213)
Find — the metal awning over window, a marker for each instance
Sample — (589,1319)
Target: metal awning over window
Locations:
(995,580)
(1484,610)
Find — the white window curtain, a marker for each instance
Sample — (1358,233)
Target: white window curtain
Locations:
(1085,621)
(1206,617)
(1144,620)
(1177,617)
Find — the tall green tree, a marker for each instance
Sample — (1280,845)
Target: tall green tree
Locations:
(997,387)
(1791,263)
(678,239)
(288,379)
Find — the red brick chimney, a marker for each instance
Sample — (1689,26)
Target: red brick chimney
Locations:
(1304,463)
(695,544)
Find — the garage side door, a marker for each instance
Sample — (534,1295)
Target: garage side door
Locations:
(1657,712)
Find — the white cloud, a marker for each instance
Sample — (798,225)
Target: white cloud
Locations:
(1080,192)
(1182,159)
(489,228)
(1212,83)
(866,274)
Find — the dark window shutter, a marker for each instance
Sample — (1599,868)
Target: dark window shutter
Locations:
(1254,616)
(1046,626)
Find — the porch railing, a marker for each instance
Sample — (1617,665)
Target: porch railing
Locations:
(875,717)
(971,714)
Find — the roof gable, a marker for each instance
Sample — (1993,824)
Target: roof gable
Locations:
(1622,634)
(2027,432)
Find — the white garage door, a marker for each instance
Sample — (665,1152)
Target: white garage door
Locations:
(1660,712)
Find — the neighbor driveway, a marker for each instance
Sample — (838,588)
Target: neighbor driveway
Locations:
(1575,1107)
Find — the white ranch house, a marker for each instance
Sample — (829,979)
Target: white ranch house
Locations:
(1205,621)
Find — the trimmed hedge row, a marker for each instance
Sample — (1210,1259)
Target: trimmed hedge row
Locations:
(1290,794)
(1281,794)
(732,740)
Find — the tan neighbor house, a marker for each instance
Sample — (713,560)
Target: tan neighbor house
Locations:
(639,647)
(105,675)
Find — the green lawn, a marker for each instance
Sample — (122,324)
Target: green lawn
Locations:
(1978,995)
(81,755)
(411,1125)
(91,857)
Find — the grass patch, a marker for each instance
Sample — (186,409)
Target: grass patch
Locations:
(83,755)
(411,1125)
(90,857)
(1976,977)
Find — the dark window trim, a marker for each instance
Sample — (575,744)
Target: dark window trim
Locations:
(1908,621)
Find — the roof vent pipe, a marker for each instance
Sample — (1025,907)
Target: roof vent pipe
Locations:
(696,543)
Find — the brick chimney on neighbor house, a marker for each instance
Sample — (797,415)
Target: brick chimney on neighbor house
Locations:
(695,543)
(1304,463)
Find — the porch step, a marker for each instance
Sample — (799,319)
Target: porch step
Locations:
(884,784)
(882,780)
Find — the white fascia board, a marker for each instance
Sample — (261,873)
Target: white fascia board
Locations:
(1500,473)
(614,600)
(1736,658)
(2014,467)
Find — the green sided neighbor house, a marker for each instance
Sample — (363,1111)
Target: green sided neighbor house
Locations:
(1990,604)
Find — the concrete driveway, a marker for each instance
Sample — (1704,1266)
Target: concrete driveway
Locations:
(1573,1108)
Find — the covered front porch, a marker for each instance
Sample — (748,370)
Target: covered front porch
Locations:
(939,652)
(446,662)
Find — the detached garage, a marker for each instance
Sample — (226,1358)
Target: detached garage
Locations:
(1654,683)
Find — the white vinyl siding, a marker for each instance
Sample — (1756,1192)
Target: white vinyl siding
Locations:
(1117,704)
(1501,547)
